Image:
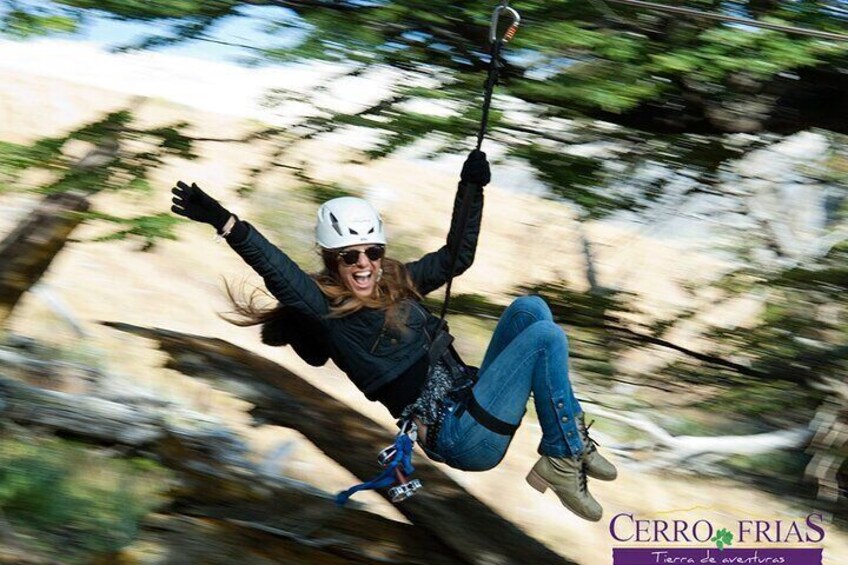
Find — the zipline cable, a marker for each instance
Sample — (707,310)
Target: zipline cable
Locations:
(730,19)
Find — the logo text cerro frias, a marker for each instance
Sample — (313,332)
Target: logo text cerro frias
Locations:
(626,527)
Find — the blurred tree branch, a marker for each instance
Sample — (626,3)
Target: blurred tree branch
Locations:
(222,483)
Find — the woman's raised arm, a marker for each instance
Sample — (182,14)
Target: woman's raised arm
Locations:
(287,282)
(433,269)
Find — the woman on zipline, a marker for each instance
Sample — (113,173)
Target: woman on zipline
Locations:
(364,311)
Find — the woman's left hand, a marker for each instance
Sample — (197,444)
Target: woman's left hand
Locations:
(194,204)
(475,170)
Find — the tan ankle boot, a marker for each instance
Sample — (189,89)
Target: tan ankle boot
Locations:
(567,477)
(597,466)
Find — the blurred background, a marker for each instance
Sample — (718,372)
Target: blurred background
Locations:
(676,187)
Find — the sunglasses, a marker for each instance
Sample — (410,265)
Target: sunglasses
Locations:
(351,256)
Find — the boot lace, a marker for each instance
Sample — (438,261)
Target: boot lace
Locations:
(588,441)
(583,479)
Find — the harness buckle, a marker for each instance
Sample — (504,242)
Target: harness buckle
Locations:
(405,488)
(385,456)
(409,428)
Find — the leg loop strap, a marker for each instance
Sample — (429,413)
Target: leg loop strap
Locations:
(483,417)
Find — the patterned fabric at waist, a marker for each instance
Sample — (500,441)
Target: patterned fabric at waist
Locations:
(428,406)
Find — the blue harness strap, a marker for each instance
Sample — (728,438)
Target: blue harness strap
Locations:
(402,457)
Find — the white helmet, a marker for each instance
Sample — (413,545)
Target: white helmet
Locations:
(348,221)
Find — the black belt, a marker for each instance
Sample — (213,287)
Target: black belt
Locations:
(466,401)
(465,378)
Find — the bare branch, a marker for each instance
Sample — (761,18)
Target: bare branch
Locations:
(668,450)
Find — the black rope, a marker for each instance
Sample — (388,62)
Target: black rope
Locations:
(465,207)
(464,212)
(491,81)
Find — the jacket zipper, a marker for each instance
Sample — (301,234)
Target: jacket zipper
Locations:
(379,339)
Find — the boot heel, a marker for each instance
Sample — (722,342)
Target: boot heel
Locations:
(534,480)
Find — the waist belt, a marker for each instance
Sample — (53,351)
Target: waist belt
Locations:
(464,378)
(483,416)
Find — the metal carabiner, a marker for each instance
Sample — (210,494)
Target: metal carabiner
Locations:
(409,428)
(496,16)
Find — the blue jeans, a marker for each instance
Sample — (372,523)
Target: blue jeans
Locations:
(528,353)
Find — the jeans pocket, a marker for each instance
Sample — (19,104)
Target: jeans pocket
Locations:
(452,431)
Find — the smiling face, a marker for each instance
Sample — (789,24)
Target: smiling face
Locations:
(362,276)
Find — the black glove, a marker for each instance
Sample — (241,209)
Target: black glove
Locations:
(475,170)
(193,203)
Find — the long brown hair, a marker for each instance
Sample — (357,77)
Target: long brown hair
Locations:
(394,285)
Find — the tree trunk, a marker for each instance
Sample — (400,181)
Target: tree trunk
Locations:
(443,508)
(225,509)
(26,253)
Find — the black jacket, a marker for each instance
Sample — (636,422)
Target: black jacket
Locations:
(361,344)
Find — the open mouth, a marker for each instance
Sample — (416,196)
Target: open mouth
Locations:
(362,279)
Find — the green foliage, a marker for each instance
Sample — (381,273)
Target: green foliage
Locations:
(11,157)
(16,159)
(801,333)
(834,169)
(475,305)
(576,179)
(321,192)
(405,128)
(660,326)
(120,159)
(633,66)
(108,166)
(18,22)
(724,51)
(781,472)
(170,9)
(603,86)
(318,191)
(831,279)
(566,54)
(150,228)
(582,309)
(52,489)
(764,400)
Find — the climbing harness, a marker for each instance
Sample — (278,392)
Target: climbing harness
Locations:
(396,459)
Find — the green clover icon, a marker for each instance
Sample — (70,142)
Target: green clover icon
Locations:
(723,537)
